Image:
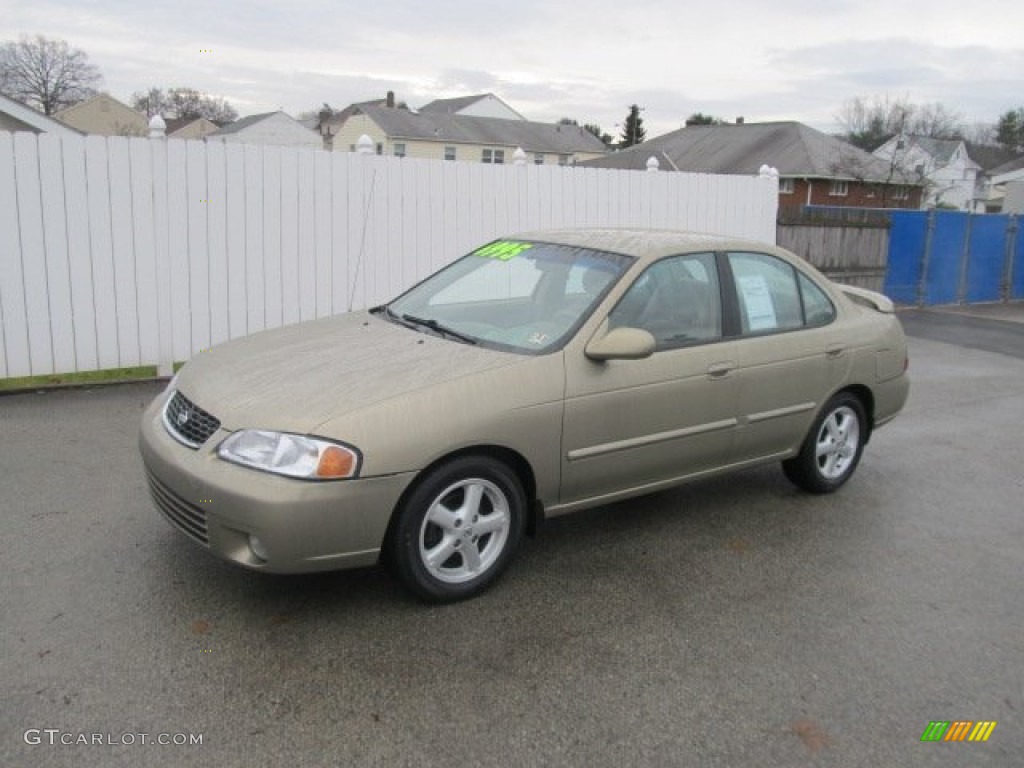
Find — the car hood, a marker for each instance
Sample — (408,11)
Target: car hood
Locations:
(297,377)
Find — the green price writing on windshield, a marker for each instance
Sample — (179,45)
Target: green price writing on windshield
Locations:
(502,250)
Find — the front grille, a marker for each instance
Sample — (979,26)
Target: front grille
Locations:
(187,422)
(188,517)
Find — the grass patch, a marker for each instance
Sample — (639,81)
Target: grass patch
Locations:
(87,377)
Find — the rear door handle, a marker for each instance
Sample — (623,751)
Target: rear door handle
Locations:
(720,370)
(834,350)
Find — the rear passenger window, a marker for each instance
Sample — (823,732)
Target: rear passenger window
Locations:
(769,298)
(818,309)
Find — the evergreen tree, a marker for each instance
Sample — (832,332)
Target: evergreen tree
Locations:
(699,118)
(1010,130)
(633,131)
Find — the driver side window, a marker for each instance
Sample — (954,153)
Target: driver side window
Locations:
(677,300)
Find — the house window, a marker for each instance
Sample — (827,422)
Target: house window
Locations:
(380,148)
(838,189)
(785,186)
(399,150)
(496,156)
(538,158)
(901,193)
(564,159)
(449,153)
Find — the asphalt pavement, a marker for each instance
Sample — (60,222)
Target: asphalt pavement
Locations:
(733,622)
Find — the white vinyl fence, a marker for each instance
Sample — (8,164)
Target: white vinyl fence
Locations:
(121,252)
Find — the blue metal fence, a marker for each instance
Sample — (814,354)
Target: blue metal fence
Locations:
(948,257)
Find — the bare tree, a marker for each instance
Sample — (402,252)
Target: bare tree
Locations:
(46,74)
(183,102)
(150,103)
(882,173)
(869,125)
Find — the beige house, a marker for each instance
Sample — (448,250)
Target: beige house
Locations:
(190,128)
(106,116)
(440,133)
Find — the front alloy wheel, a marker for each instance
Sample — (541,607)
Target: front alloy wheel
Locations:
(458,529)
(832,448)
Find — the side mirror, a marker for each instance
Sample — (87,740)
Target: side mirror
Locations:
(621,344)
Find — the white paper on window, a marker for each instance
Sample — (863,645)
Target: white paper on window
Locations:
(758,301)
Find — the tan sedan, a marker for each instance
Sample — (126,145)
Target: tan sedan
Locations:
(540,374)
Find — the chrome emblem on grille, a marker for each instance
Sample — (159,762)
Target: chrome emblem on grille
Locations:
(182,418)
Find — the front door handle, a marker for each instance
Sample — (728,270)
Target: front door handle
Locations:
(720,370)
(834,350)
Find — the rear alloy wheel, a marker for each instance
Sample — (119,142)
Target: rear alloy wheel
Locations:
(832,448)
(458,529)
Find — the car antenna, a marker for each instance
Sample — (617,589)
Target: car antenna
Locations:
(362,241)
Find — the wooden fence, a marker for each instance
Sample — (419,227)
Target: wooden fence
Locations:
(851,253)
(120,252)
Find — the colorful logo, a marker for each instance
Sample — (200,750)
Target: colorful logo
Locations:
(958,730)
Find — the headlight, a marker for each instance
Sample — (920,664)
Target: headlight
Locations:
(308,458)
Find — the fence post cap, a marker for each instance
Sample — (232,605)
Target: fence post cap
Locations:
(652,163)
(157,127)
(364,145)
(767,171)
(519,156)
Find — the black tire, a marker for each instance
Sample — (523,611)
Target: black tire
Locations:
(832,449)
(477,512)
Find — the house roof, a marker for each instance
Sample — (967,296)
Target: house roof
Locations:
(452,106)
(177,123)
(243,123)
(459,104)
(795,149)
(1013,165)
(339,117)
(989,158)
(464,129)
(32,119)
(941,149)
(95,98)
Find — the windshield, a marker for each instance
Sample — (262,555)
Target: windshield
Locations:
(523,296)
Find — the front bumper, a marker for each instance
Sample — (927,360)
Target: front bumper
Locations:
(301,526)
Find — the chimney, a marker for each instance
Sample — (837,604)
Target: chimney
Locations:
(391,100)
(739,120)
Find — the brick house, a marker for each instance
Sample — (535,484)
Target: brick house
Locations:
(814,168)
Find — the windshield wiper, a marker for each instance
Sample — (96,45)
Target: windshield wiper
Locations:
(437,327)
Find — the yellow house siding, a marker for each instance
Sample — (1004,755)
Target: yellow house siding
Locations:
(348,135)
(346,139)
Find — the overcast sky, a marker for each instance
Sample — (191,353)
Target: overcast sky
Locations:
(590,59)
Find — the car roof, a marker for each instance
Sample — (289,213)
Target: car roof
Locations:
(644,244)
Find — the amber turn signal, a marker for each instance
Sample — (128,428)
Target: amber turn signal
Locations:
(335,462)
